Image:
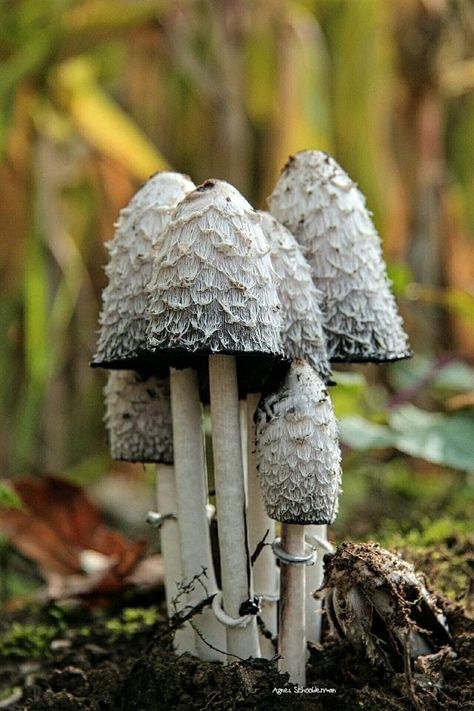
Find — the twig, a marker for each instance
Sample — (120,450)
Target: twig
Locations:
(409,678)
(259,548)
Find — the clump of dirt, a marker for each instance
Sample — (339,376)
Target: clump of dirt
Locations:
(120,659)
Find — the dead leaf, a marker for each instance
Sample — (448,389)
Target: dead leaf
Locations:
(63,532)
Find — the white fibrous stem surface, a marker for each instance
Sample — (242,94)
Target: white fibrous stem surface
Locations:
(314,578)
(298,454)
(171,551)
(292,632)
(213,288)
(140,225)
(192,495)
(138,417)
(230,503)
(261,527)
(318,202)
(364,584)
(302,330)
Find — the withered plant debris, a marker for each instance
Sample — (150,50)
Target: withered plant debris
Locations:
(376,601)
(63,532)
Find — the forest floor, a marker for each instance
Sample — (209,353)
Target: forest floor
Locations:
(119,658)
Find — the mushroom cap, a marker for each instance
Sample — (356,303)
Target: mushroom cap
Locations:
(298,455)
(123,323)
(302,330)
(318,202)
(138,417)
(213,287)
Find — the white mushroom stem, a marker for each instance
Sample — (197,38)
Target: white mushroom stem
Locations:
(314,579)
(171,552)
(191,490)
(264,571)
(230,501)
(292,638)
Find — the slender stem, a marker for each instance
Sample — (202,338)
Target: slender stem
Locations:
(292,638)
(264,571)
(171,552)
(314,578)
(191,490)
(230,500)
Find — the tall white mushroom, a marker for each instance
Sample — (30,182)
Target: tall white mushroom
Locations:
(327,214)
(299,464)
(138,422)
(302,336)
(123,329)
(213,296)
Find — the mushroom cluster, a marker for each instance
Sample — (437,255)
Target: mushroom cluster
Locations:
(209,302)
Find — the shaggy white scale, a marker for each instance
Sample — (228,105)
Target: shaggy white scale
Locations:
(327,214)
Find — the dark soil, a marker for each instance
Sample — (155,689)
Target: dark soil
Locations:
(120,659)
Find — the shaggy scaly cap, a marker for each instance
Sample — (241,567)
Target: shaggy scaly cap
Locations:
(213,285)
(139,227)
(138,417)
(302,331)
(298,455)
(327,214)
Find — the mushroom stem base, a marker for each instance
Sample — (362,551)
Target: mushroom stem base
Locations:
(292,636)
(191,490)
(171,553)
(230,501)
(264,571)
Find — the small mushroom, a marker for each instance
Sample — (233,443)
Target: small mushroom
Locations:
(122,319)
(138,417)
(318,202)
(299,459)
(213,297)
(303,337)
(299,464)
(376,601)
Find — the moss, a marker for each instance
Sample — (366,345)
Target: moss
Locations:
(7,692)
(442,550)
(27,641)
(132,620)
(429,531)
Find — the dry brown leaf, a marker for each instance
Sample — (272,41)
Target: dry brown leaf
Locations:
(62,531)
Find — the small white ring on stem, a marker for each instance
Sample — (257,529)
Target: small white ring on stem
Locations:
(156,519)
(319,543)
(268,597)
(226,619)
(308,559)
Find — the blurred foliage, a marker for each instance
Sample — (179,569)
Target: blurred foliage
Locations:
(97,94)
(443,438)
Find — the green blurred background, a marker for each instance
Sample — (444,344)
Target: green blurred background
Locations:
(95,95)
